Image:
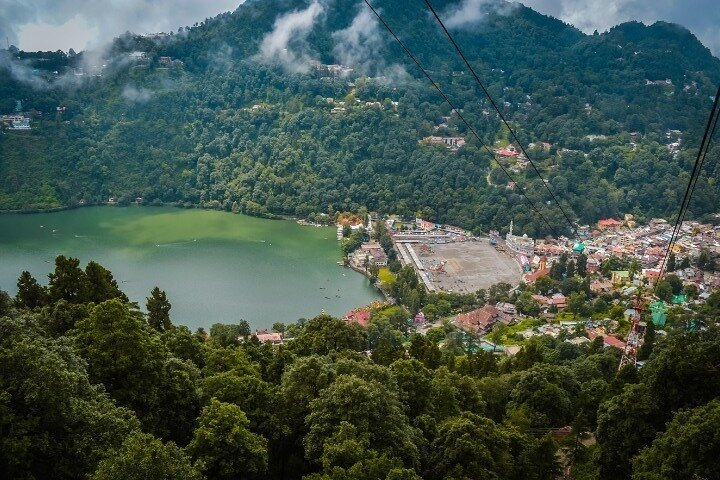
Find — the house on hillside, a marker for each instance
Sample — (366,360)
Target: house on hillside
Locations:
(609,224)
(273,338)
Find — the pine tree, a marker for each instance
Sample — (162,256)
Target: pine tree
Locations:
(30,293)
(158,308)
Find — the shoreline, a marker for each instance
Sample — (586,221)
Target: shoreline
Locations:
(364,274)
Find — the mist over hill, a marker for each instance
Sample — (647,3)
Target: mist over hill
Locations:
(243,112)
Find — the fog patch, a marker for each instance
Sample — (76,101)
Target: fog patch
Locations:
(286,44)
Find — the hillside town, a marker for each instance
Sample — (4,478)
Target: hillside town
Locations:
(600,285)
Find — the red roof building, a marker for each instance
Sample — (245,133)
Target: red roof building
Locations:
(480,320)
(531,277)
(360,316)
(609,224)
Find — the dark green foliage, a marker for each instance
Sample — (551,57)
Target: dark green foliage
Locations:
(158,308)
(198,141)
(469,446)
(370,408)
(68,282)
(53,422)
(689,448)
(101,284)
(30,293)
(324,334)
(143,457)
(225,446)
(79,379)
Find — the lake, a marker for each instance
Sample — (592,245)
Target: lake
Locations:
(214,266)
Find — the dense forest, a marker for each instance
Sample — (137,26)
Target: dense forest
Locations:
(217,115)
(91,387)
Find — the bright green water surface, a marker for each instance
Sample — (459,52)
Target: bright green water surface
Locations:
(214,266)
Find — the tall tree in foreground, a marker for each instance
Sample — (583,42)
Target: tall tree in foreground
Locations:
(101,284)
(158,308)
(144,457)
(224,445)
(68,281)
(689,448)
(123,357)
(30,293)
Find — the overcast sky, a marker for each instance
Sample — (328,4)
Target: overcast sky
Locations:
(80,24)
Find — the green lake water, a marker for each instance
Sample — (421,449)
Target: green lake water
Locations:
(214,266)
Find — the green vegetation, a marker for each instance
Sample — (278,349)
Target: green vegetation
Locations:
(91,387)
(194,138)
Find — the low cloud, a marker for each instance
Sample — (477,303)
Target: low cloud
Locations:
(136,95)
(286,44)
(701,17)
(361,45)
(97,22)
(470,13)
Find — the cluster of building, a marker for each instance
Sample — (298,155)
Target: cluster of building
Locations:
(18,121)
(453,143)
(369,253)
(646,244)
(339,106)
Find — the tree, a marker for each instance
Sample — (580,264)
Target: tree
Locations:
(671,267)
(499,292)
(370,408)
(527,305)
(249,392)
(498,332)
(386,352)
(581,265)
(144,457)
(688,448)
(54,422)
(685,263)
(626,423)
(546,394)
(101,284)
(576,303)
(5,303)
(324,334)
(30,293)
(182,344)
(278,327)
(570,269)
(544,285)
(224,335)
(663,290)
(158,308)
(62,316)
(68,282)
(123,357)
(469,446)
(648,342)
(224,445)
(414,382)
(244,329)
(675,283)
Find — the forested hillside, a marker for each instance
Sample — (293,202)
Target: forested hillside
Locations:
(234,113)
(90,387)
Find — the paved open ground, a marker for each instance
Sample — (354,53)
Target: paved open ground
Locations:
(469,266)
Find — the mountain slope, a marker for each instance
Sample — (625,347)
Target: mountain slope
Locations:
(190,133)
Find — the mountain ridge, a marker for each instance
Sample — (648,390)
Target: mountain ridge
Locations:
(193,127)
